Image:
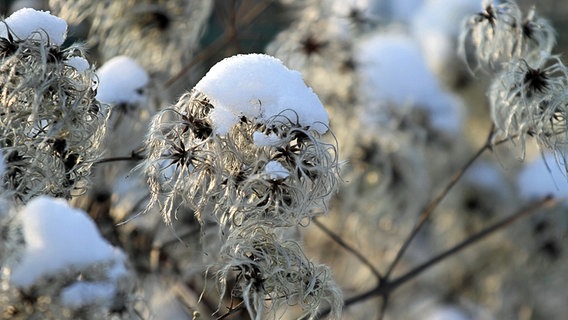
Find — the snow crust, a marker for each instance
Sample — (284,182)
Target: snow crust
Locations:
(276,171)
(84,293)
(122,80)
(79,63)
(259,87)
(266,140)
(30,23)
(436,27)
(58,237)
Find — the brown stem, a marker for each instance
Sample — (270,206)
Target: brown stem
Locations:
(386,287)
(436,201)
(349,248)
(135,155)
(532,208)
(221,41)
(116,159)
(231,311)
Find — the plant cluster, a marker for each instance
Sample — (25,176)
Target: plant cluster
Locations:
(131,179)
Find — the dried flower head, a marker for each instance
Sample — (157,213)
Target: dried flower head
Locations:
(528,99)
(143,30)
(499,33)
(269,273)
(50,124)
(241,175)
(321,50)
(243,149)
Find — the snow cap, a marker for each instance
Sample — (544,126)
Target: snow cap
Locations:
(259,87)
(36,24)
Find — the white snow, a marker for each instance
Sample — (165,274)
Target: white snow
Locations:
(537,180)
(259,87)
(84,293)
(122,80)
(57,237)
(274,170)
(445,313)
(79,63)
(30,23)
(266,140)
(393,71)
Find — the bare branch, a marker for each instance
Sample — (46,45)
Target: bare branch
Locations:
(386,287)
(436,201)
(349,248)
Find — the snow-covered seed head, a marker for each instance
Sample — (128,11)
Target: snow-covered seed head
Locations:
(125,86)
(243,144)
(50,125)
(499,33)
(51,274)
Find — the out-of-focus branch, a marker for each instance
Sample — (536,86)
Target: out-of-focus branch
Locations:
(349,248)
(386,287)
(438,199)
(218,44)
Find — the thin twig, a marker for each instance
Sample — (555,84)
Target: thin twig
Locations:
(220,42)
(349,248)
(546,202)
(232,311)
(437,200)
(383,307)
(135,155)
(116,159)
(386,287)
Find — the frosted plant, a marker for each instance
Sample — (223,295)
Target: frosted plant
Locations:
(217,148)
(499,33)
(270,273)
(52,275)
(51,125)
(161,35)
(243,149)
(529,99)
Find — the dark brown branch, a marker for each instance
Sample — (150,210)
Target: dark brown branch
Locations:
(134,156)
(221,41)
(437,200)
(349,248)
(386,287)
(231,311)
(546,202)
